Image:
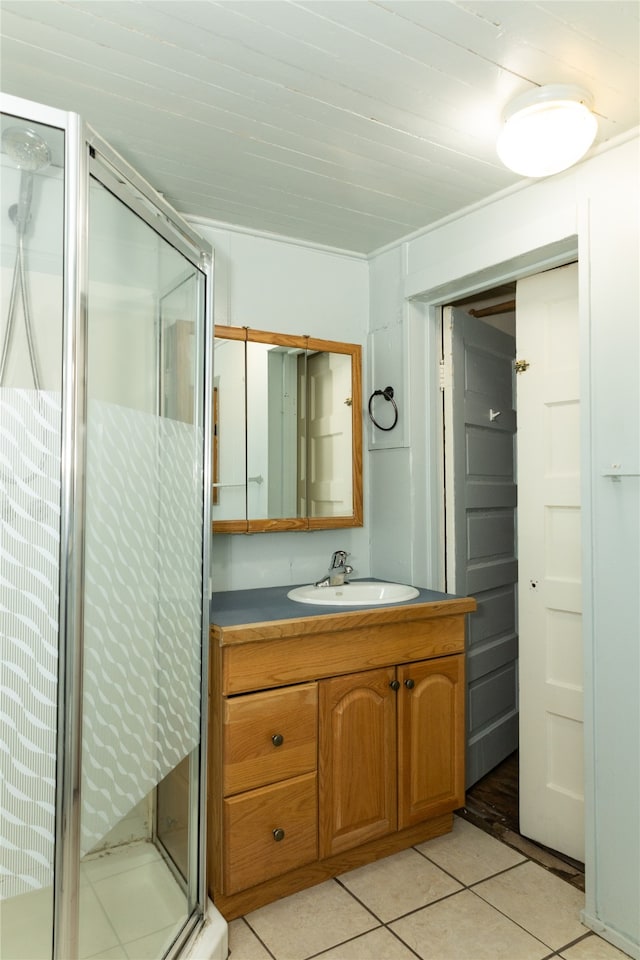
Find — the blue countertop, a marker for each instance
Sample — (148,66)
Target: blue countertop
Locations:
(234,607)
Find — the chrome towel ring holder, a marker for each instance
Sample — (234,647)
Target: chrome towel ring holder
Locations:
(387,393)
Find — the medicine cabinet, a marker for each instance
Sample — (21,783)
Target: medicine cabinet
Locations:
(287,421)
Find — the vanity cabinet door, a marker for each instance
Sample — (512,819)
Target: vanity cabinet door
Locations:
(430,739)
(357,759)
(269,736)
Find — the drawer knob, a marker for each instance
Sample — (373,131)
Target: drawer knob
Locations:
(395,684)
(277,739)
(410,684)
(278,834)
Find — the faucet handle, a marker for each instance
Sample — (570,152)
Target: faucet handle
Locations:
(338,559)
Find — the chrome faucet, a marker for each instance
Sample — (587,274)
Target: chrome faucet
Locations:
(338,570)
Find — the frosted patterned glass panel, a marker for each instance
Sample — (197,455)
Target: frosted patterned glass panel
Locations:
(29,583)
(142,609)
(31,266)
(144,499)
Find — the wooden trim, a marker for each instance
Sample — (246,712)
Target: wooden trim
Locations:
(277,339)
(275,524)
(507,307)
(356,454)
(297,659)
(244,902)
(229,526)
(336,621)
(230,333)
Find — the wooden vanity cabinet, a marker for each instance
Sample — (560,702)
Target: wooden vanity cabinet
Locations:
(391,754)
(333,741)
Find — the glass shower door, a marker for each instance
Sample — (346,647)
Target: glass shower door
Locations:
(143,597)
(31,322)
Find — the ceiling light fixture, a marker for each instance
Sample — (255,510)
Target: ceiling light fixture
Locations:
(547,130)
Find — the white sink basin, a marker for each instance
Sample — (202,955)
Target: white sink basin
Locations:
(357,594)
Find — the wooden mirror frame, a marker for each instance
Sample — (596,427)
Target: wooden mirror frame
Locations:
(309,344)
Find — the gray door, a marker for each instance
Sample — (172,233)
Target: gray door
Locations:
(481,495)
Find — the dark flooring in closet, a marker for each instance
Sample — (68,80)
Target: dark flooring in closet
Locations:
(492,805)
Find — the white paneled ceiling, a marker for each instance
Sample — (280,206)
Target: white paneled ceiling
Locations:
(350,123)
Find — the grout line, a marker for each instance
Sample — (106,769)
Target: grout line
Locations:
(403,942)
(358,900)
(385,923)
(468,886)
(96,893)
(381,924)
(515,922)
(500,873)
(258,938)
(342,943)
(106,916)
(572,943)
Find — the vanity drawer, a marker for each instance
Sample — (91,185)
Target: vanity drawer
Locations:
(254,821)
(269,736)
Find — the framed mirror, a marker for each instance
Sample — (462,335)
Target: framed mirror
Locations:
(287,432)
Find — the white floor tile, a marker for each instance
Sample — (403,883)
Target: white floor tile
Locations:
(141,901)
(95,933)
(543,904)
(464,927)
(126,895)
(398,884)
(243,943)
(152,946)
(469,854)
(308,922)
(117,860)
(116,953)
(593,948)
(375,945)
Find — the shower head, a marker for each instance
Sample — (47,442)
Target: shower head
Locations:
(27,148)
(31,153)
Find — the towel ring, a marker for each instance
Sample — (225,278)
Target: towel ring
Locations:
(387,393)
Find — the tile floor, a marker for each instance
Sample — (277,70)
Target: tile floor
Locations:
(464,896)
(131,908)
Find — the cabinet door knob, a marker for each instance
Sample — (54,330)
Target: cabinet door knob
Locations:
(278,834)
(277,739)
(395,684)
(410,684)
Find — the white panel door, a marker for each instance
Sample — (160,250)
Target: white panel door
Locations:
(549,597)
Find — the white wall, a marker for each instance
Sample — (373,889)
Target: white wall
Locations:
(273,285)
(593,209)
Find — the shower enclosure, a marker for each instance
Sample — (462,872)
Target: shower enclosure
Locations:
(105,332)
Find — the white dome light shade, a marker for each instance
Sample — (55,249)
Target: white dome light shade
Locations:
(547,130)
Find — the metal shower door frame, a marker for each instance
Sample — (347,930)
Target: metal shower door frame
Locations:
(86,155)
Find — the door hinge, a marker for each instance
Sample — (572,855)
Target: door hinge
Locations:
(442,374)
(522,365)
